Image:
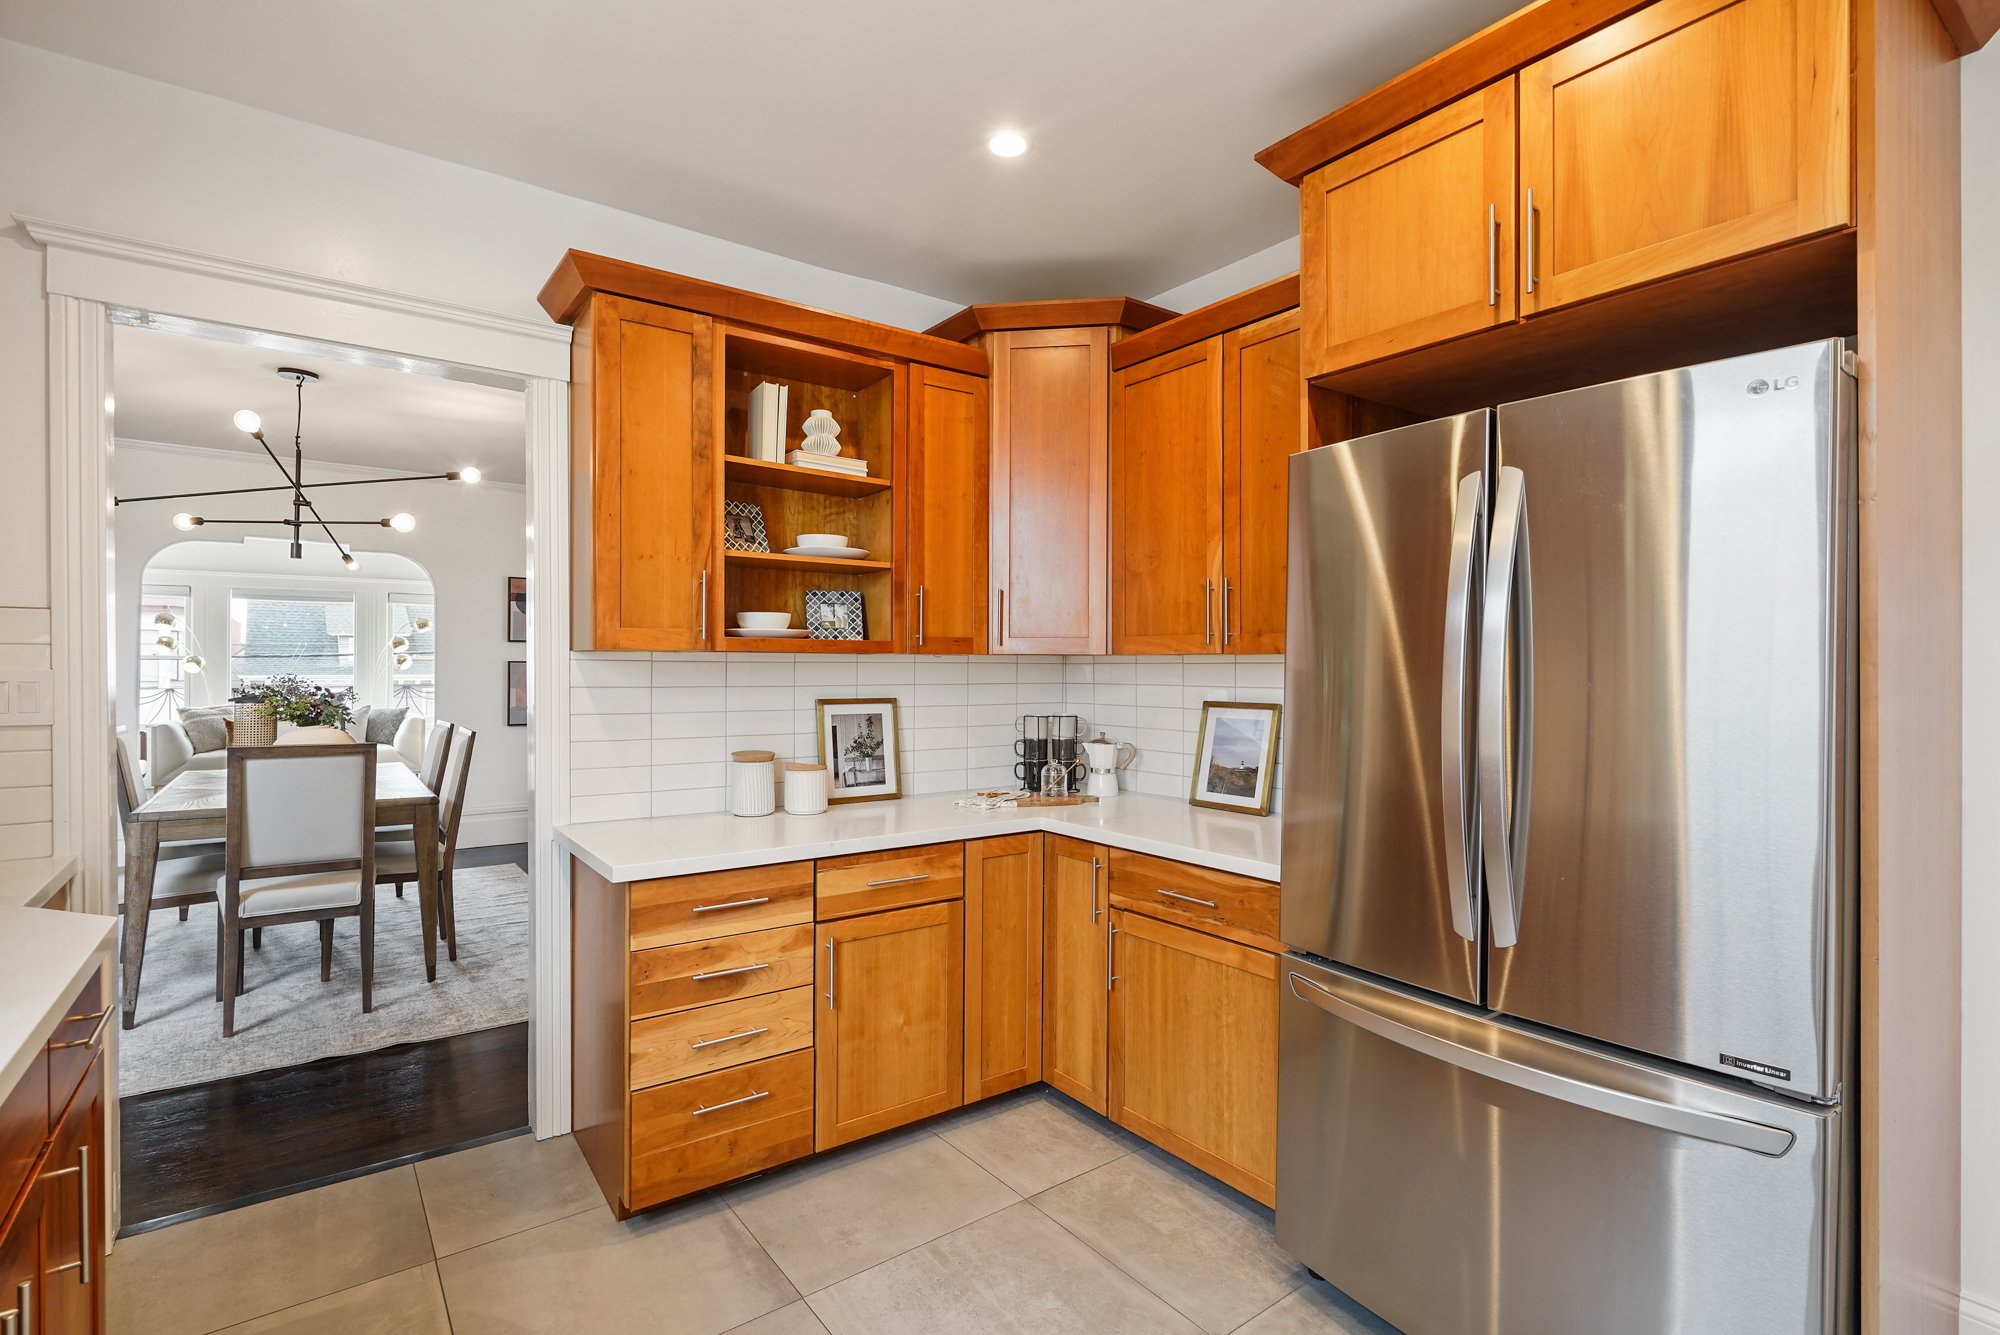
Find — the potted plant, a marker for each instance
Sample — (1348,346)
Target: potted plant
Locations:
(303,704)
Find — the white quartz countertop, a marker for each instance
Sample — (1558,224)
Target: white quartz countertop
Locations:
(45,954)
(28,882)
(636,850)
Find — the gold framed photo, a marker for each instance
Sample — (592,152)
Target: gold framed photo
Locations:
(1236,756)
(859,744)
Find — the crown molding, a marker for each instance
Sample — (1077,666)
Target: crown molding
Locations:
(357,471)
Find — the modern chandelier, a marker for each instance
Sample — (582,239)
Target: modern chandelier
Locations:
(301,499)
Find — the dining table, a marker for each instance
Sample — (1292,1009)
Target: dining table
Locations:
(194,804)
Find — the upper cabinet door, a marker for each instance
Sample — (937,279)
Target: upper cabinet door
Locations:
(1050,463)
(1166,503)
(947,512)
(644,477)
(1691,132)
(1409,240)
(1263,425)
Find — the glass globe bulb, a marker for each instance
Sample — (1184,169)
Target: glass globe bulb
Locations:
(468,475)
(400,643)
(163,618)
(248,422)
(192,664)
(402,521)
(347,559)
(185,521)
(422,623)
(166,642)
(402,660)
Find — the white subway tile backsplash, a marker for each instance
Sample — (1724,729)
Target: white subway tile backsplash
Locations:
(610,806)
(771,670)
(608,700)
(737,698)
(699,723)
(688,802)
(679,778)
(600,782)
(688,750)
(607,755)
(687,699)
(668,672)
(619,671)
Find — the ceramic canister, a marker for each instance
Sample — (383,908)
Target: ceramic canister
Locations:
(806,788)
(753,783)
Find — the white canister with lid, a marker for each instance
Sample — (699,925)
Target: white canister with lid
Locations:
(753,783)
(807,788)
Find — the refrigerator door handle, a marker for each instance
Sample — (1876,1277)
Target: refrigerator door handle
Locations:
(1503,796)
(1461,830)
(1717,1128)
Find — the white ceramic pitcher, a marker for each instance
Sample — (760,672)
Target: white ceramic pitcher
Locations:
(1103,758)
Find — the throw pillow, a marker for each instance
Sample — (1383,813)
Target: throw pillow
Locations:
(357,726)
(206,731)
(382,724)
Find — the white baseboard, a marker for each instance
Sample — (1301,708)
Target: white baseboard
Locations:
(1977,1317)
(483,827)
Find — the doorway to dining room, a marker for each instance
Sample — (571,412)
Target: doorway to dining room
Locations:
(392,613)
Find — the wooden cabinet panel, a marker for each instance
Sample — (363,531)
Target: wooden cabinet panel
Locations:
(1075,964)
(1003,964)
(645,475)
(24,1129)
(1263,425)
(701,973)
(674,909)
(1410,240)
(1051,461)
(1239,907)
(1691,132)
(890,1038)
(73,1206)
(891,879)
(948,479)
(1166,502)
(21,1261)
(1194,1049)
(695,1133)
(685,1043)
(76,1042)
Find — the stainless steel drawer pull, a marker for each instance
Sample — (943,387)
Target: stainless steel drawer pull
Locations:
(20,1321)
(82,1170)
(1095,912)
(727,973)
(1190,899)
(900,880)
(1110,957)
(730,1038)
(96,1035)
(732,904)
(704,1110)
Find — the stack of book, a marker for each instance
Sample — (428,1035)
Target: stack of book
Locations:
(829,463)
(768,403)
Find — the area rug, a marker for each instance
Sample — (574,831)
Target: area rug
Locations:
(287,1016)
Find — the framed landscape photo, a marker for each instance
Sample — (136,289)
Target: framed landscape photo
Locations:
(517,693)
(517,609)
(1235,755)
(858,745)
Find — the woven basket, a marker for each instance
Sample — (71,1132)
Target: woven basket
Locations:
(253,727)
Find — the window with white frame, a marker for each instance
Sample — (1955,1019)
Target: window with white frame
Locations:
(166,652)
(275,634)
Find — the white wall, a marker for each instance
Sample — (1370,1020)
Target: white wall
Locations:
(468,538)
(1273,261)
(1980,1181)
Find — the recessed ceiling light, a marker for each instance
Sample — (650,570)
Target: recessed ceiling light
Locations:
(1007,144)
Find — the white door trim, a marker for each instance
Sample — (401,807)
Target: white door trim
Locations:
(90,274)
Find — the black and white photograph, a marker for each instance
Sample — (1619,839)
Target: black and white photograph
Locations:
(836,614)
(1235,756)
(857,744)
(743,527)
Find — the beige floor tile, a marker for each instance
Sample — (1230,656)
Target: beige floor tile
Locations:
(1317,1309)
(1204,1248)
(228,1268)
(830,1218)
(691,1270)
(796,1319)
(408,1302)
(1016,1272)
(1033,1143)
(477,1195)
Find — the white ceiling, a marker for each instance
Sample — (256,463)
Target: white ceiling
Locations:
(849,135)
(183,391)
(273,556)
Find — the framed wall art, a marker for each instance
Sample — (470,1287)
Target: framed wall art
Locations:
(858,742)
(517,609)
(517,693)
(743,527)
(1235,756)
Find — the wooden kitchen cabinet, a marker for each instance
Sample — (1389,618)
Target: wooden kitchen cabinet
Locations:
(1262,428)
(1409,240)
(1051,468)
(1076,960)
(1194,1048)
(644,477)
(1166,502)
(21,1285)
(947,506)
(890,1037)
(73,1199)
(1689,133)
(1003,964)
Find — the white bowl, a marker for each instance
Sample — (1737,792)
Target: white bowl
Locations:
(763,620)
(822,539)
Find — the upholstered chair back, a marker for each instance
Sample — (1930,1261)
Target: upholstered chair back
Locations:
(436,746)
(296,808)
(127,789)
(451,797)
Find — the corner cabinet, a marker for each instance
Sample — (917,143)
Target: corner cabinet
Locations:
(947,506)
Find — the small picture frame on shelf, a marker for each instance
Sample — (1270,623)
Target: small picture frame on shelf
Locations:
(743,527)
(836,614)
(1235,756)
(858,744)
(517,609)
(517,693)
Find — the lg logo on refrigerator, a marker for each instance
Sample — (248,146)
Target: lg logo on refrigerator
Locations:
(1770,386)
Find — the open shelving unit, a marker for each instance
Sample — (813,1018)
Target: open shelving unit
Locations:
(866,397)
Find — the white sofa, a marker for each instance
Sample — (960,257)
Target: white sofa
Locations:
(169,751)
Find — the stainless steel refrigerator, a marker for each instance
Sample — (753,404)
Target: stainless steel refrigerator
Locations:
(1566,1021)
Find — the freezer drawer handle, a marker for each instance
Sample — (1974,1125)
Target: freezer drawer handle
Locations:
(1503,796)
(1461,830)
(1186,899)
(1715,1127)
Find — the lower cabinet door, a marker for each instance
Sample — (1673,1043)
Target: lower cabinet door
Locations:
(890,1037)
(72,1187)
(1194,1049)
(1003,964)
(21,1286)
(1075,960)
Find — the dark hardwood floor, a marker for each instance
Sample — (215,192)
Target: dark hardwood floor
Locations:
(227,1143)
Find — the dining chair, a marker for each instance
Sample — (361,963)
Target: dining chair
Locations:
(396,859)
(301,848)
(436,744)
(185,885)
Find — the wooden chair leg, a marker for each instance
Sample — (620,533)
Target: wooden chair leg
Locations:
(221,953)
(184,913)
(325,949)
(367,949)
(231,966)
(256,938)
(448,915)
(399,887)
(240,954)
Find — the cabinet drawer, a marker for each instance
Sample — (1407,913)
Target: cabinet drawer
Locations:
(695,1133)
(674,909)
(76,1042)
(24,1128)
(701,973)
(871,882)
(1218,902)
(674,1047)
